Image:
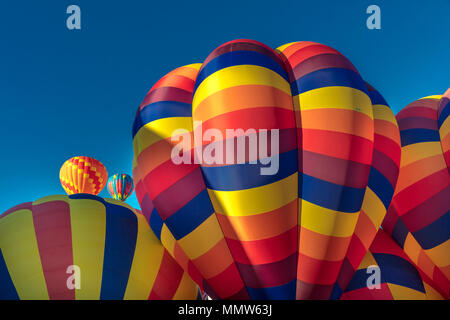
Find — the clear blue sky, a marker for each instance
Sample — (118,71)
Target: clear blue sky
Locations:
(65,93)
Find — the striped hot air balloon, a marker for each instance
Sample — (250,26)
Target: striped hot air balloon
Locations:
(120,186)
(83,175)
(294,213)
(419,218)
(85,247)
(386,273)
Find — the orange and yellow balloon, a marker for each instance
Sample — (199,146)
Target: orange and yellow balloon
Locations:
(83,175)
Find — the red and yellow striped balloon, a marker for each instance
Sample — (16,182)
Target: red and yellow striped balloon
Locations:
(83,175)
(296,232)
(113,247)
(419,217)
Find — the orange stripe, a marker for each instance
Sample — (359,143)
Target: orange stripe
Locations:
(238,98)
(212,262)
(387,129)
(347,121)
(322,247)
(340,145)
(261,226)
(419,170)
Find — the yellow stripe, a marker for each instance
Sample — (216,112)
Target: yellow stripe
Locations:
(412,248)
(168,240)
(405,293)
(51,198)
(440,254)
(187,289)
(88,223)
(146,263)
(367,261)
(373,207)
(417,151)
(21,253)
(327,222)
(445,128)
(435,97)
(159,130)
(194,244)
(238,76)
(284,46)
(334,97)
(256,200)
(382,112)
(431,293)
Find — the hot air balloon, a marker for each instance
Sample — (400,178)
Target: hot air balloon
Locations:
(386,273)
(46,245)
(266,174)
(419,218)
(120,186)
(83,175)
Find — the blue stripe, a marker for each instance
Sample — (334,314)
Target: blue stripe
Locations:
(400,232)
(242,57)
(156,223)
(120,244)
(194,213)
(381,187)
(7,288)
(330,195)
(336,293)
(411,136)
(327,78)
(359,280)
(399,271)
(393,270)
(445,112)
(435,233)
(283,292)
(245,176)
(160,110)
(377,98)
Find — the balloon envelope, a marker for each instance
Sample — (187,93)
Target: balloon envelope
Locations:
(120,186)
(83,175)
(293,216)
(419,216)
(46,244)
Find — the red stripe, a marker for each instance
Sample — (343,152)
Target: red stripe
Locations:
(265,250)
(54,239)
(165,175)
(179,194)
(337,144)
(420,191)
(428,211)
(418,111)
(308,52)
(261,117)
(270,274)
(167,280)
(334,170)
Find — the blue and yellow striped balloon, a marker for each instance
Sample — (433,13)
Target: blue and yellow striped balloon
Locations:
(120,186)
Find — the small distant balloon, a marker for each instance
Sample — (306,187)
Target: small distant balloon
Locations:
(120,186)
(83,175)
